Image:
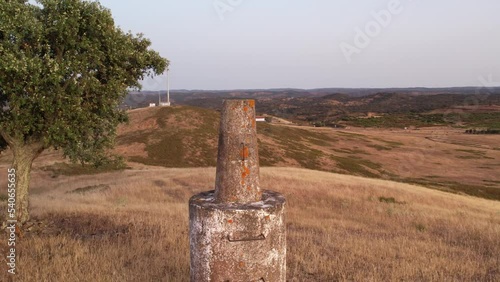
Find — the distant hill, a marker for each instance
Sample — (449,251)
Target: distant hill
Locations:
(335,107)
(193,97)
(331,106)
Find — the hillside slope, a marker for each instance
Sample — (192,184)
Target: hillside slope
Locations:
(441,158)
(170,136)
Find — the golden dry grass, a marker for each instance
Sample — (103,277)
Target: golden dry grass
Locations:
(338,229)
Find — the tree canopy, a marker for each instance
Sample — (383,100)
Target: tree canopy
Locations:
(65,68)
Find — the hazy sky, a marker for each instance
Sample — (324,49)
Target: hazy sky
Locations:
(249,44)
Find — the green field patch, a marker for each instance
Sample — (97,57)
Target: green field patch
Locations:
(355,135)
(398,120)
(470,157)
(294,134)
(433,176)
(318,142)
(474,154)
(392,144)
(390,200)
(267,155)
(492,181)
(350,151)
(140,136)
(358,166)
(402,120)
(309,158)
(297,143)
(90,189)
(70,169)
(484,120)
(486,192)
(190,141)
(379,147)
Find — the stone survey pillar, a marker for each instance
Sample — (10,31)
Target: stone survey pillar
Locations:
(237,232)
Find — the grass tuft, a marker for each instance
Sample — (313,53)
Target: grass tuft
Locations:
(89,189)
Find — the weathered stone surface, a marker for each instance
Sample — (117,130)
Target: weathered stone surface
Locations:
(238,231)
(237,178)
(237,242)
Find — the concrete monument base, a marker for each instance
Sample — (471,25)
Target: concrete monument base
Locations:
(237,242)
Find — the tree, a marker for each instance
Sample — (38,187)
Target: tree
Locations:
(3,144)
(64,69)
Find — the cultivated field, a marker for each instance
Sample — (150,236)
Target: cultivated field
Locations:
(132,226)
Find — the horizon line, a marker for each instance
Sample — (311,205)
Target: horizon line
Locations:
(324,88)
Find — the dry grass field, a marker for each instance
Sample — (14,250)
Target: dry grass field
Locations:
(132,226)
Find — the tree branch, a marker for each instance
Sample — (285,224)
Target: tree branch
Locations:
(7,137)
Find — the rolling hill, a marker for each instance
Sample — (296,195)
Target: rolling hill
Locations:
(440,158)
(398,107)
(132,224)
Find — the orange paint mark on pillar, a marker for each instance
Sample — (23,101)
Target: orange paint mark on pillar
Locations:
(251,103)
(244,153)
(245,172)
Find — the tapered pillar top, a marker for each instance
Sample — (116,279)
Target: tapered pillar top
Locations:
(237,177)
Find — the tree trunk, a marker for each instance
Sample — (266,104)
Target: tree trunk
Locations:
(24,154)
